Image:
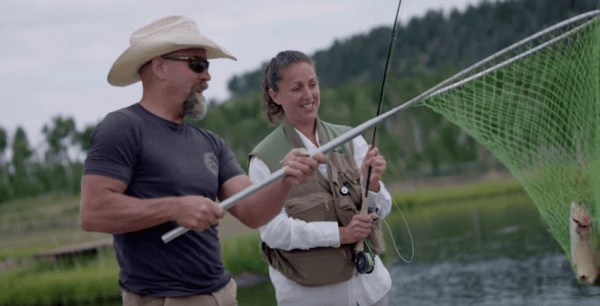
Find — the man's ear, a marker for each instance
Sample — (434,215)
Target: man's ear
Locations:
(158,67)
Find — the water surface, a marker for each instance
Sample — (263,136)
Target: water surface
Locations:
(490,251)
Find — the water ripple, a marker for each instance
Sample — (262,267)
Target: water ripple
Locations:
(545,279)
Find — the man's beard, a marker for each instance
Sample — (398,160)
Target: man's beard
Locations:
(194,105)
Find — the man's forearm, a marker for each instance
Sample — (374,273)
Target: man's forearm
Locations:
(119,213)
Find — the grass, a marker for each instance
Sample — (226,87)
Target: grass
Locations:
(448,194)
(242,254)
(32,225)
(262,294)
(94,281)
(38,209)
(74,281)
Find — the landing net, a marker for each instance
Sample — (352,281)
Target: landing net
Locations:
(536,107)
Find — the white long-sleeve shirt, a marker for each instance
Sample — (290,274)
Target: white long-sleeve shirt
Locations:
(286,233)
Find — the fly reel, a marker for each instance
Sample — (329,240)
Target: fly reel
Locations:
(365,260)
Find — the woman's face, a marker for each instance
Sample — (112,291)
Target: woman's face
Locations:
(298,94)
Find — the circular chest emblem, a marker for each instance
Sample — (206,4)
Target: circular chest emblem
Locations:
(344,190)
(210,160)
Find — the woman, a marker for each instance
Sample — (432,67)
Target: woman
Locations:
(310,244)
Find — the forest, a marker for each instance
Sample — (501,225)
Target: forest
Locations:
(416,142)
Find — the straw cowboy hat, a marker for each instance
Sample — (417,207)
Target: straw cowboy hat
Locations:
(160,37)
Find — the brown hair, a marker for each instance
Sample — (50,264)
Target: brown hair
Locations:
(273,73)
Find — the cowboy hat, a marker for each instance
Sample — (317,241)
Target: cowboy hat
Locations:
(160,37)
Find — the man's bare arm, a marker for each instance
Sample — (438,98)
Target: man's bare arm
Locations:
(105,208)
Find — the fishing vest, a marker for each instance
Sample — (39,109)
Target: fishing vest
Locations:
(318,199)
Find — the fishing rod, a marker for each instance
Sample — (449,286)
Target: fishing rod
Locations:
(365,260)
(382,92)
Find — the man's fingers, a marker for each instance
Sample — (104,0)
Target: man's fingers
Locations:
(311,162)
(319,157)
(295,172)
(304,166)
(302,151)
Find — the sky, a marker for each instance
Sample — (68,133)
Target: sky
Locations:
(55,54)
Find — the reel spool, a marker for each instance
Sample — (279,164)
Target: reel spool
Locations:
(365,261)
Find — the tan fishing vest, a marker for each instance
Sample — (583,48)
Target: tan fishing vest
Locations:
(318,199)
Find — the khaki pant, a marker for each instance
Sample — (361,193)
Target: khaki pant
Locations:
(225,296)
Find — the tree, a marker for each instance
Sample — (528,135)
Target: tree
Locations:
(3,143)
(58,136)
(20,152)
(84,138)
(21,180)
(5,187)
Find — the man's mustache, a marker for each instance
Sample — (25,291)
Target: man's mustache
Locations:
(200,87)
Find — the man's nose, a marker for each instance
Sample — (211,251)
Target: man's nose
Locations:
(204,75)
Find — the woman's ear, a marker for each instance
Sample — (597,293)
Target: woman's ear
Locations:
(274,96)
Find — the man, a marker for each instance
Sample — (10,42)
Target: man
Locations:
(149,171)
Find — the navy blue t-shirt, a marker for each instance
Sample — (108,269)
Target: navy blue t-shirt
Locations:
(159,158)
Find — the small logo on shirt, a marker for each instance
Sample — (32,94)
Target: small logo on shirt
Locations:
(210,160)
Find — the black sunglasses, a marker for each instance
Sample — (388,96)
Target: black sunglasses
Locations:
(197,64)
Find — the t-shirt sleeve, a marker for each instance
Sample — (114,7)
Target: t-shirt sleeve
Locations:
(113,148)
(228,165)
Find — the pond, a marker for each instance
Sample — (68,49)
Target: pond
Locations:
(488,251)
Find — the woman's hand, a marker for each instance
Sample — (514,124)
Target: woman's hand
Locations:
(377,162)
(358,228)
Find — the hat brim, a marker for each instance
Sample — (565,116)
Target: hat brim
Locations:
(124,71)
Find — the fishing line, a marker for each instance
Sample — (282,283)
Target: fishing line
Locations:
(412,243)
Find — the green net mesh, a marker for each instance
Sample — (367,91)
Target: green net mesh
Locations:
(536,107)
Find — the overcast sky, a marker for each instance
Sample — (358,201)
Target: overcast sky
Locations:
(55,54)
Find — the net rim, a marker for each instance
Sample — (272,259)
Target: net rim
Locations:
(522,55)
(430,92)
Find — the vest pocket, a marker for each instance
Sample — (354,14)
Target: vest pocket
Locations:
(314,267)
(376,238)
(312,207)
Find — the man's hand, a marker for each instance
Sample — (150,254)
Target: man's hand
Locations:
(197,213)
(257,209)
(358,228)
(299,165)
(377,162)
